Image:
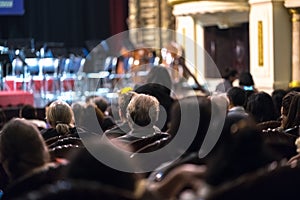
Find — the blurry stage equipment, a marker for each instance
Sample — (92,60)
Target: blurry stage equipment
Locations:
(50,71)
(4,62)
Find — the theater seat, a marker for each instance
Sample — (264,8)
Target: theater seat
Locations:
(66,141)
(274,182)
(148,143)
(283,144)
(64,151)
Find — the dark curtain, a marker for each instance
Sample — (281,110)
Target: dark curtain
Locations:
(118,16)
(69,21)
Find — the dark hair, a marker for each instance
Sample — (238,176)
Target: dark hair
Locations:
(277,96)
(28,112)
(228,72)
(101,103)
(23,147)
(293,115)
(237,96)
(286,101)
(260,106)
(244,152)
(183,123)
(85,166)
(245,79)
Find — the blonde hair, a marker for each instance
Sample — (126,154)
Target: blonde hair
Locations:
(143,110)
(60,116)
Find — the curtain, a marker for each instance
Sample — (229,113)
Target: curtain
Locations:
(69,21)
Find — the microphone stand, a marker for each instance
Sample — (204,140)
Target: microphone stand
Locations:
(4,60)
(24,65)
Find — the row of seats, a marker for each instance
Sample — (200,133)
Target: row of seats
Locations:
(50,66)
(43,75)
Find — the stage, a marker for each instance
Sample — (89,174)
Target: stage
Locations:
(15,98)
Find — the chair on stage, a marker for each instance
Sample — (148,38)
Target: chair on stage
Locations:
(70,68)
(36,76)
(49,66)
(19,79)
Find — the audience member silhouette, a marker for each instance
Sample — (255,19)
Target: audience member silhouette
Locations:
(246,82)
(260,106)
(228,76)
(291,122)
(61,119)
(142,114)
(85,166)
(277,96)
(237,98)
(25,158)
(29,113)
(243,152)
(162,94)
(123,127)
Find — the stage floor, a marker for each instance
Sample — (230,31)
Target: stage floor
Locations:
(15,98)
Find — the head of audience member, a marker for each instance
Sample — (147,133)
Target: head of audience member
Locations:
(28,112)
(246,82)
(236,96)
(101,103)
(230,74)
(161,76)
(243,152)
(246,79)
(22,148)
(286,103)
(292,118)
(162,94)
(277,96)
(182,123)
(92,118)
(260,106)
(60,116)
(85,166)
(142,111)
(123,101)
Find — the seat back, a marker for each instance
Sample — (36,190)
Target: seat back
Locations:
(66,141)
(281,143)
(33,67)
(150,143)
(17,67)
(64,151)
(74,65)
(293,131)
(274,182)
(49,66)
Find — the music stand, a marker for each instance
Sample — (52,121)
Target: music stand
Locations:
(4,60)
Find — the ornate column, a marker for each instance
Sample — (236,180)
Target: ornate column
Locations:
(270,44)
(146,17)
(296,47)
